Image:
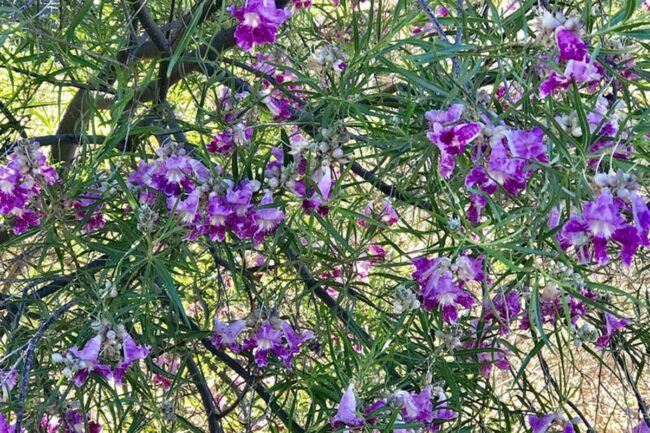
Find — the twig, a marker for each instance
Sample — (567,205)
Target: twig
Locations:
(206,395)
(29,359)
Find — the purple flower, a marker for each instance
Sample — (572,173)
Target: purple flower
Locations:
(528,145)
(443,293)
(492,356)
(450,136)
(132,353)
(5,427)
(225,335)
(553,83)
(221,143)
(346,415)
(641,215)
(258,22)
(8,379)
(503,310)
(507,172)
(267,219)
(416,407)
(266,339)
(642,427)
(583,72)
(83,362)
(571,47)
(602,216)
(294,342)
(612,325)
(541,424)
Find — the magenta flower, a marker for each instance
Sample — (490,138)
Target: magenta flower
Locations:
(553,83)
(506,171)
(225,335)
(346,415)
(132,353)
(528,145)
(571,47)
(258,22)
(612,325)
(450,135)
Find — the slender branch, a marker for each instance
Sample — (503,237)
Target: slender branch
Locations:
(643,407)
(29,359)
(321,293)
(206,395)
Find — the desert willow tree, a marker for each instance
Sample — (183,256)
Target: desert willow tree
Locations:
(384,215)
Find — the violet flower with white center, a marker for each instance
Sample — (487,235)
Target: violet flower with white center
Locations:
(415,407)
(258,22)
(346,415)
(225,335)
(443,293)
(612,325)
(267,219)
(450,135)
(265,340)
(80,363)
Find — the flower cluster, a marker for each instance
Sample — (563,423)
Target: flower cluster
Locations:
(573,54)
(442,283)
(331,57)
(21,181)
(618,214)
(238,135)
(429,407)
(206,203)
(72,420)
(111,346)
(267,336)
(503,157)
(258,22)
(451,135)
(309,172)
(610,126)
